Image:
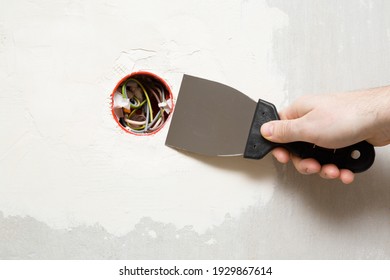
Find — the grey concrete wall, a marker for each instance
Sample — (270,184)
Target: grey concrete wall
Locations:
(324,46)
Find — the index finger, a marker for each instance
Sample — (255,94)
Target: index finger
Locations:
(297,109)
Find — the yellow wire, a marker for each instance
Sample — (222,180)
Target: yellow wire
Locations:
(146,95)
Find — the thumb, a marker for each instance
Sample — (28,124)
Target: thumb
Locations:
(281,131)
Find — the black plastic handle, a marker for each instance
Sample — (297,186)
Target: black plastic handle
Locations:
(357,158)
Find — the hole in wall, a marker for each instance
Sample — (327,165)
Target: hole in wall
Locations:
(141,103)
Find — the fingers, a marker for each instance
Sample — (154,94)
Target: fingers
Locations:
(307,120)
(329,171)
(292,125)
(346,176)
(282,131)
(311,166)
(306,166)
(282,155)
(299,108)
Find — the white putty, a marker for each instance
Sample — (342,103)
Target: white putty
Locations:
(152,234)
(64,161)
(211,241)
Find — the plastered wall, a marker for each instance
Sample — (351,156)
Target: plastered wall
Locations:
(73,185)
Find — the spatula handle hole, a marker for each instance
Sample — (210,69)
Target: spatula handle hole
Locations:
(355,154)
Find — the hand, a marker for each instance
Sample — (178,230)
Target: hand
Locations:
(331,121)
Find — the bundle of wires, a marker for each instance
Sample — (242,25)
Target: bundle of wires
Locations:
(148,105)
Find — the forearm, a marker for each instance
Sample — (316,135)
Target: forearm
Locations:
(380,108)
(384,110)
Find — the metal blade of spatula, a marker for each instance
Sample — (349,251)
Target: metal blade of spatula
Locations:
(216,120)
(210,118)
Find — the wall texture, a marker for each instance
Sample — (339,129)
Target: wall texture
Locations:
(74,186)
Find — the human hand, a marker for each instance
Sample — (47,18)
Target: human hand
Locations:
(331,121)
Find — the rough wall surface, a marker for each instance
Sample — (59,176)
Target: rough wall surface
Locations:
(75,186)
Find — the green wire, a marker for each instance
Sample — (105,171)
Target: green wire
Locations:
(132,112)
(124,94)
(139,105)
(137,101)
(124,91)
(151,120)
(138,128)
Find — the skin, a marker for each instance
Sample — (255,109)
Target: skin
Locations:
(332,121)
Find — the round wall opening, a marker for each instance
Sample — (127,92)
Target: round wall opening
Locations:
(141,103)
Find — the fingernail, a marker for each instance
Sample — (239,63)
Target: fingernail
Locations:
(267,129)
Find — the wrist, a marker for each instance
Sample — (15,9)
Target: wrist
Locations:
(383,109)
(380,108)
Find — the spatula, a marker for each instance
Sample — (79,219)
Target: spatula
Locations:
(216,120)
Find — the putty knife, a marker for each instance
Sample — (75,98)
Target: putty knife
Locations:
(216,120)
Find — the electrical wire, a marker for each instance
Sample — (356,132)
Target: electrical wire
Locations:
(147,118)
(141,118)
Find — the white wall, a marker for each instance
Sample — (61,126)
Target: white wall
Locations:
(73,181)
